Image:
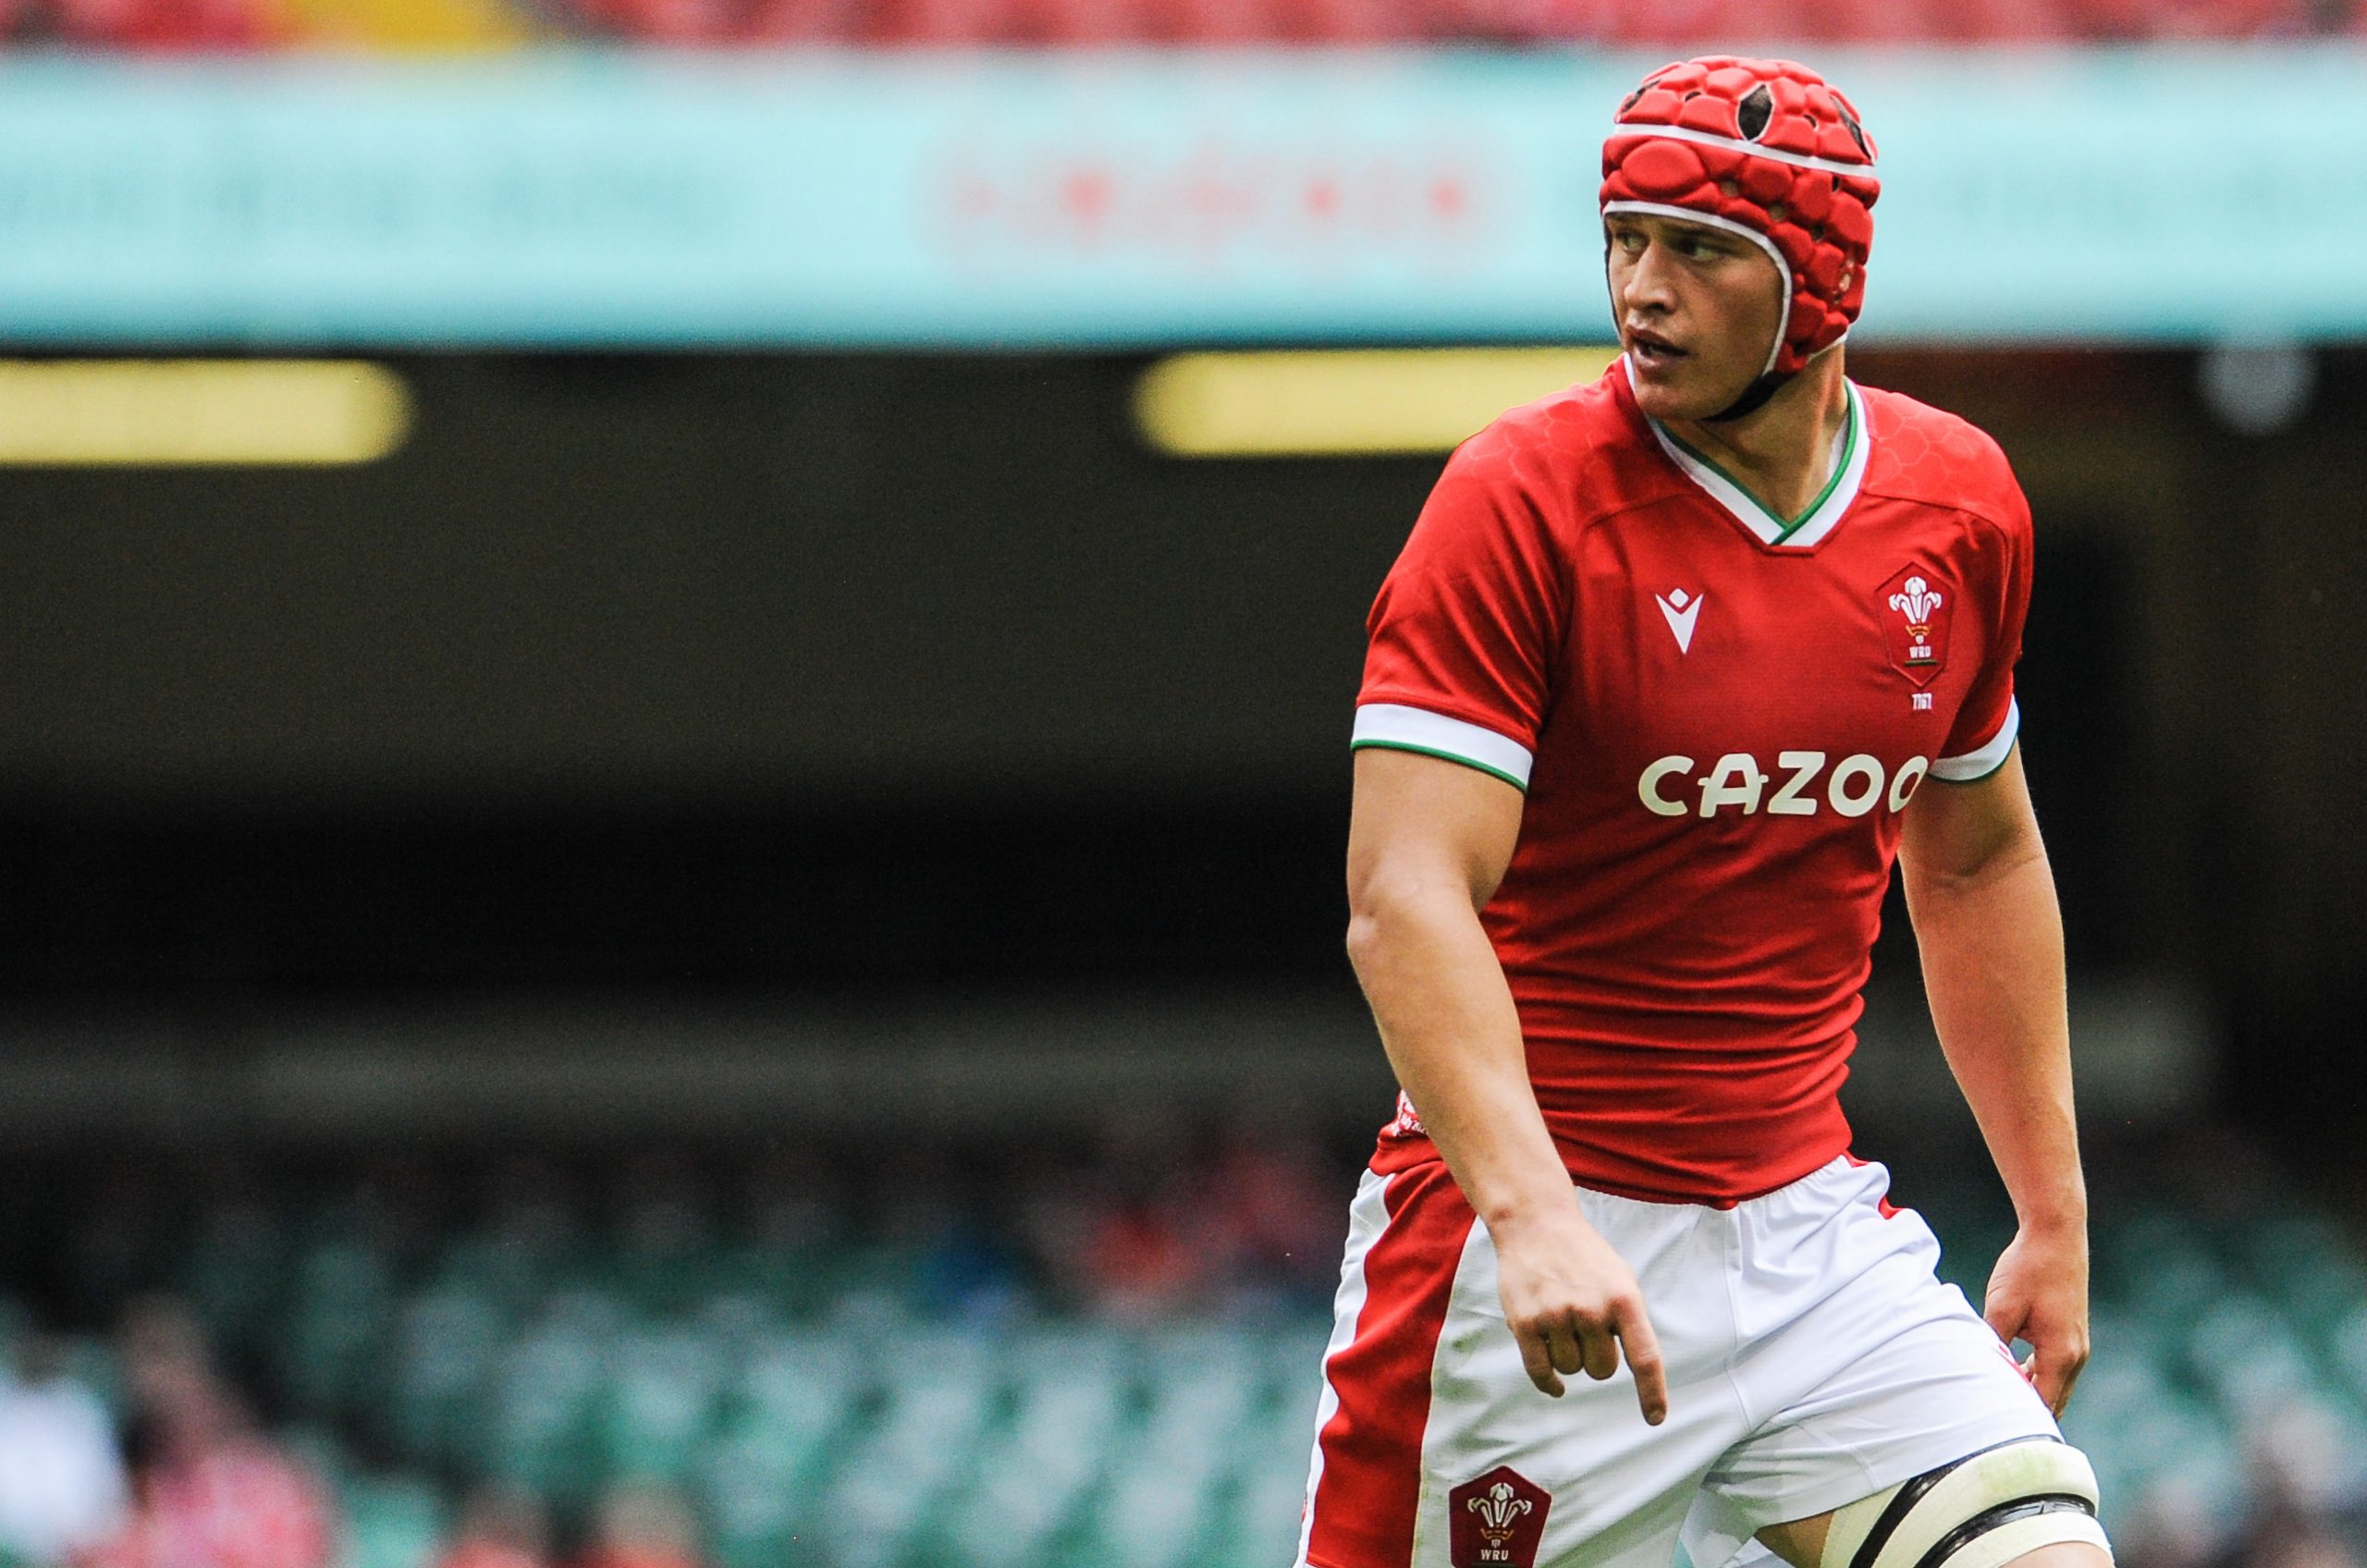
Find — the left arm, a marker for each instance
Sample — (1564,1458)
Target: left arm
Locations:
(1982,899)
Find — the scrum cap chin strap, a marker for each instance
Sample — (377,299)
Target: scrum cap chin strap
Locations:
(1754,398)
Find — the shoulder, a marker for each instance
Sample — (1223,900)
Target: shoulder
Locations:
(1570,456)
(1927,455)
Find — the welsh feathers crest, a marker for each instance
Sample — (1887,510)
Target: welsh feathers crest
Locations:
(1914,607)
(1496,1521)
(1917,601)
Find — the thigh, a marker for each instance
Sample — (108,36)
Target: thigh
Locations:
(1435,1450)
(1924,1384)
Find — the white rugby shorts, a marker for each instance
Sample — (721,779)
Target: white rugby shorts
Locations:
(1813,1359)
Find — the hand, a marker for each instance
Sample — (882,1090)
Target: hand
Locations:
(2038,1293)
(1573,1304)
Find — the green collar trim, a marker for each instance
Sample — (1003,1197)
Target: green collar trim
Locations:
(1817,519)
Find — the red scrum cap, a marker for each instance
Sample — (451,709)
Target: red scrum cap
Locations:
(1767,148)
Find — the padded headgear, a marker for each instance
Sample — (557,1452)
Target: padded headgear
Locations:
(1768,149)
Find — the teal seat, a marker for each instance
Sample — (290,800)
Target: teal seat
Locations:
(233,1277)
(661,1402)
(393,1521)
(332,1339)
(540,1433)
(443,1361)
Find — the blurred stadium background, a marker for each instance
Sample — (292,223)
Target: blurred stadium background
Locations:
(672,753)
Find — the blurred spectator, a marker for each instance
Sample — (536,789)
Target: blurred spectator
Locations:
(1280,1204)
(500,1528)
(1139,1262)
(642,1526)
(61,1480)
(210,1491)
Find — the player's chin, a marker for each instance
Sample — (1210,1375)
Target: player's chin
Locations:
(1682,389)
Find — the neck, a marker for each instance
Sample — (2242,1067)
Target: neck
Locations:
(1782,451)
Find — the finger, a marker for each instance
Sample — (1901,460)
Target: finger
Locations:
(1538,1360)
(2053,1374)
(2048,1381)
(1561,1342)
(1643,1349)
(2006,1318)
(1602,1350)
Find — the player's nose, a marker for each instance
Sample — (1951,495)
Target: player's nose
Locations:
(1644,285)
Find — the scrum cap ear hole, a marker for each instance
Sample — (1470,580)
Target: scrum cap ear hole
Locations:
(1753,113)
(1728,188)
(1856,133)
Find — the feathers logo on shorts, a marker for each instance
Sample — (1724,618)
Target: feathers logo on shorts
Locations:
(1496,1521)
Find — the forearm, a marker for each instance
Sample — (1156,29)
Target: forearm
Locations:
(1991,942)
(1447,1021)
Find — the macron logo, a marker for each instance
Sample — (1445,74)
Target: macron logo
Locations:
(1682,612)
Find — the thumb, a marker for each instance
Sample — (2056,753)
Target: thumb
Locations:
(2005,1313)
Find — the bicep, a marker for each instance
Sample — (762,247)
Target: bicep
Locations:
(1421,822)
(1953,832)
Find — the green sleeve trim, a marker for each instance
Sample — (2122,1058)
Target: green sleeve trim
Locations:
(1445,756)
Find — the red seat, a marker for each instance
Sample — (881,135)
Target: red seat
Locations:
(1357,22)
(2001,21)
(1859,21)
(1085,23)
(2237,18)
(802,21)
(2191,19)
(1525,22)
(1224,21)
(1681,25)
(940,21)
(663,21)
(169,24)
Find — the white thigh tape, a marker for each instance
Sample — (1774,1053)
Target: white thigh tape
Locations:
(1981,1512)
(2007,1542)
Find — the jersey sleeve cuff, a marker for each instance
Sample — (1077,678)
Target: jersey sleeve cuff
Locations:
(1397,727)
(1986,759)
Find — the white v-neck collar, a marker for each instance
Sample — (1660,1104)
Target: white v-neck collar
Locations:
(1853,444)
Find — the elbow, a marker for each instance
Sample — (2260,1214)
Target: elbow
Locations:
(1365,939)
(1382,913)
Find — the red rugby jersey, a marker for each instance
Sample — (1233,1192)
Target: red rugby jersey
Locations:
(1717,718)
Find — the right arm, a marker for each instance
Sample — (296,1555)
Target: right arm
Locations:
(1427,841)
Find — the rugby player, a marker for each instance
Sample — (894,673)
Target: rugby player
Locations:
(1672,668)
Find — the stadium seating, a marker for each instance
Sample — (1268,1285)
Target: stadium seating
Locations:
(825,1399)
(1677,25)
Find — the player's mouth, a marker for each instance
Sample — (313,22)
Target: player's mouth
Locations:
(1651,351)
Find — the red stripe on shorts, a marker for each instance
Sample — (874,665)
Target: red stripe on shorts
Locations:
(1371,1481)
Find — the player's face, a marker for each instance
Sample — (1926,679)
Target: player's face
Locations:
(1698,308)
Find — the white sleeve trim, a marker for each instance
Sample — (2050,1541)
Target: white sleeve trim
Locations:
(1419,729)
(1984,760)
